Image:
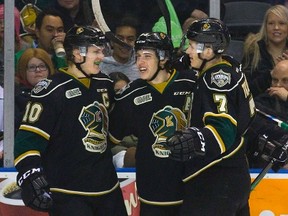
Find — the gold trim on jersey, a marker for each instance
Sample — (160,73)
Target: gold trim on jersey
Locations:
(217,137)
(82,193)
(214,162)
(25,155)
(161,86)
(35,130)
(224,115)
(161,203)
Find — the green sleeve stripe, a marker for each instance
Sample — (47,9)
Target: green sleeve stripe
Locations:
(26,141)
(225,126)
(35,130)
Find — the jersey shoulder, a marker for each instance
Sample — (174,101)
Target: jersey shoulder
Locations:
(132,88)
(51,84)
(223,76)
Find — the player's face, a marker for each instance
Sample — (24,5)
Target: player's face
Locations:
(128,35)
(52,26)
(277,28)
(93,58)
(36,71)
(192,52)
(147,63)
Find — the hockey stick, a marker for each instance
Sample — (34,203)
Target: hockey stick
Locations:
(279,122)
(273,160)
(103,26)
(166,14)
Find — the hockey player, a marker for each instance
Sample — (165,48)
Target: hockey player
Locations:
(153,108)
(61,153)
(217,183)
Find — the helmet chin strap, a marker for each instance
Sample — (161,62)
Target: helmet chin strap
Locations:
(156,73)
(78,66)
(204,61)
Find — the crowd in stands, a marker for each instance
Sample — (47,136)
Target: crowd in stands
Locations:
(265,53)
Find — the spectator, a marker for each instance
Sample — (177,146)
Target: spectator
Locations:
(49,30)
(123,59)
(34,65)
(75,12)
(275,99)
(120,80)
(265,48)
(273,102)
(124,153)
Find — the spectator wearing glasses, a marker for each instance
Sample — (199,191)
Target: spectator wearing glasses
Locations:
(34,65)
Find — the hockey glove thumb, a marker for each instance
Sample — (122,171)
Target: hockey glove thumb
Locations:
(186,144)
(35,190)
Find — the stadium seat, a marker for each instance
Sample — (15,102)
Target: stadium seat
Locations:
(235,49)
(243,17)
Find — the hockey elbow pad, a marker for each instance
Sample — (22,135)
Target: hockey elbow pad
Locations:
(186,144)
(35,189)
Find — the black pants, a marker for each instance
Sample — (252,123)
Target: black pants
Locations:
(218,191)
(111,204)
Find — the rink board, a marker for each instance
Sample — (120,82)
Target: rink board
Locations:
(269,198)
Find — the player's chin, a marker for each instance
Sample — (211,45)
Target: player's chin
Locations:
(144,76)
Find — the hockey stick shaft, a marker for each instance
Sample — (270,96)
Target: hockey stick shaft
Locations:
(279,122)
(262,174)
(103,26)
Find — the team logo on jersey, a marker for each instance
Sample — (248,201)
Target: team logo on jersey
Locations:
(163,124)
(73,93)
(43,84)
(142,99)
(94,119)
(220,78)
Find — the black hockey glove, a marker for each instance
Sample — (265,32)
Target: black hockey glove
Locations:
(274,150)
(35,190)
(186,144)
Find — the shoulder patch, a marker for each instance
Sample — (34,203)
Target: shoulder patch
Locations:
(43,84)
(220,78)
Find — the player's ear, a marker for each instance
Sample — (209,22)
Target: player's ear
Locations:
(76,55)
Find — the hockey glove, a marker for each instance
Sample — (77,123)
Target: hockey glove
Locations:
(275,150)
(186,144)
(35,190)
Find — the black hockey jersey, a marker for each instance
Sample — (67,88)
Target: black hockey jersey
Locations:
(223,108)
(66,123)
(152,113)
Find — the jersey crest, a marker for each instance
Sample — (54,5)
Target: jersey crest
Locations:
(94,119)
(163,124)
(220,78)
(43,84)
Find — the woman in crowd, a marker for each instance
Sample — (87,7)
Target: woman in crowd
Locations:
(265,48)
(34,65)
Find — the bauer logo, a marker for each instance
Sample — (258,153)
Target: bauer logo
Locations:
(143,99)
